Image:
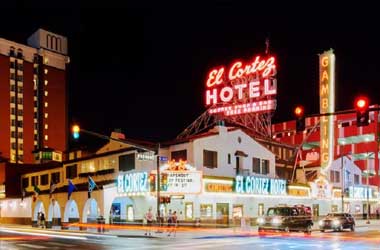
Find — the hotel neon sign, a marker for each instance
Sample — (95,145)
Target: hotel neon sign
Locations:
(133,183)
(260,185)
(243,88)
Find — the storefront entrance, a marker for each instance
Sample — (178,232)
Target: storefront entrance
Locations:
(222,212)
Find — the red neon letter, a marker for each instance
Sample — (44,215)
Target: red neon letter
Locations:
(215,77)
(233,75)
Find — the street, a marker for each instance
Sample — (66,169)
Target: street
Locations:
(364,238)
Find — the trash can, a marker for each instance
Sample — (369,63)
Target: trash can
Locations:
(101,222)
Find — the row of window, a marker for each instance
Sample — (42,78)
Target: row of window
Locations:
(19,78)
(41,179)
(19,123)
(20,66)
(335,177)
(19,100)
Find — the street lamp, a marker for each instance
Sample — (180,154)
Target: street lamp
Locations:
(368,190)
(343,179)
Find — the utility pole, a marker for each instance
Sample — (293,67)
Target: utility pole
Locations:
(343,180)
(368,209)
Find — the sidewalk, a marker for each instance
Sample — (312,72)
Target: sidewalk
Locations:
(182,232)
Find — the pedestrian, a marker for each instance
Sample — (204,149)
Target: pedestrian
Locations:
(42,220)
(175,222)
(169,221)
(38,219)
(149,222)
(377,214)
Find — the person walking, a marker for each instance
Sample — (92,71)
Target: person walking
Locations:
(42,218)
(172,224)
(169,221)
(149,222)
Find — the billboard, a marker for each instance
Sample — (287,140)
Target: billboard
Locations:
(243,87)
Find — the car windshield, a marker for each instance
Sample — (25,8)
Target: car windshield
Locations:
(331,215)
(283,211)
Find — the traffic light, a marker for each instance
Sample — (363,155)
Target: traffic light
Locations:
(164,182)
(362,111)
(300,118)
(75,131)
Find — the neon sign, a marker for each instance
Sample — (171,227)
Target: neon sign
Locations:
(327,105)
(245,87)
(360,192)
(260,185)
(132,182)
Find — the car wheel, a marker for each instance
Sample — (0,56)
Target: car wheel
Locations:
(322,231)
(352,228)
(340,229)
(286,230)
(308,230)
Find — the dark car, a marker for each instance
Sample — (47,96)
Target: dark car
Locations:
(337,222)
(286,218)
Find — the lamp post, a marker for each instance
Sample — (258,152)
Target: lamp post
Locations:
(343,178)
(368,189)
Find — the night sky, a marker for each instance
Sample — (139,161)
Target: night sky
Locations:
(142,67)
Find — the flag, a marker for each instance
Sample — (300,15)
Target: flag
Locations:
(91,186)
(53,186)
(70,189)
(36,193)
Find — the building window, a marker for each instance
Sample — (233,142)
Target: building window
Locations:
(19,124)
(34,181)
(13,99)
(46,115)
(13,76)
(35,104)
(13,87)
(20,112)
(210,159)
(46,137)
(20,78)
(256,165)
(127,162)
(21,146)
(55,177)
(20,134)
(25,182)
(13,145)
(20,100)
(46,126)
(179,155)
(44,179)
(206,211)
(46,104)
(229,159)
(264,166)
(334,176)
(46,93)
(46,82)
(71,171)
(46,71)
(188,211)
(356,179)
(13,122)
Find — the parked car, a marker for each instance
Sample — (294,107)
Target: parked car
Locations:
(337,222)
(286,219)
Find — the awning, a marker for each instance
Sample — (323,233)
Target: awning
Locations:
(240,153)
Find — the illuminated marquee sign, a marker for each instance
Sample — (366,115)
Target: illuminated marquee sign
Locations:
(218,188)
(260,185)
(243,88)
(181,182)
(360,192)
(132,182)
(327,105)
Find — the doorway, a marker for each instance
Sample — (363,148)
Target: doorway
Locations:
(222,212)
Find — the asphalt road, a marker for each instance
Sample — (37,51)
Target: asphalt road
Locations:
(362,239)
